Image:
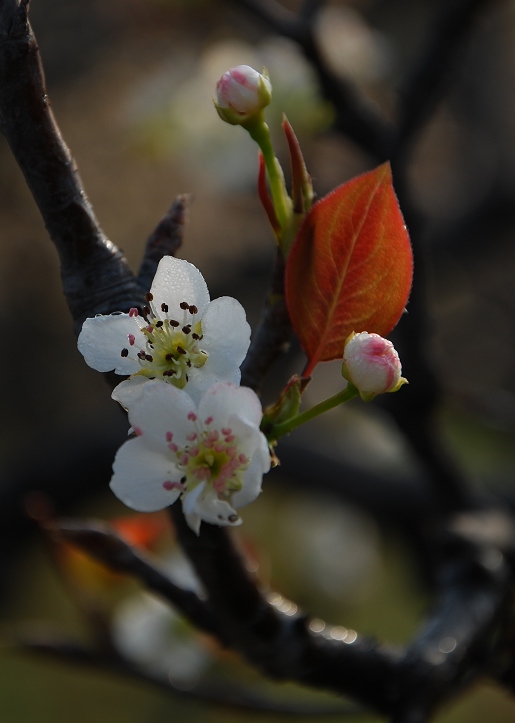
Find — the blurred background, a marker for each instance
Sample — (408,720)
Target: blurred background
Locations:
(131,84)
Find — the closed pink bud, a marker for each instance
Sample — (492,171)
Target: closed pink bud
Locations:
(241,93)
(372,365)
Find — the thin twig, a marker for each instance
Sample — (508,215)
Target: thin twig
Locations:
(165,239)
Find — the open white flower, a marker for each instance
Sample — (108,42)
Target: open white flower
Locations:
(213,456)
(182,338)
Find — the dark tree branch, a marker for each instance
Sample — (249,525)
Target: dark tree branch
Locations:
(165,239)
(452,648)
(280,645)
(101,542)
(69,652)
(95,275)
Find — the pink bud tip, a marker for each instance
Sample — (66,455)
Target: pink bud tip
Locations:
(133,312)
(371,364)
(243,90)
(192,416)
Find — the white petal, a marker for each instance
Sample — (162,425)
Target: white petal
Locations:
(102,339)
(225,328)
(193,521)
(176,281)
(161,409)
(224,400)
(251,441)
(139,473)
(218,368)
(208,507)
(251,482)
(189,507)
(129,390)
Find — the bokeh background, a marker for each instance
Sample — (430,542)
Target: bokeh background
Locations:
(131,84)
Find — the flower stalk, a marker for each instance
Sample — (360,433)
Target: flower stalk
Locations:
(279,430)
(259,131)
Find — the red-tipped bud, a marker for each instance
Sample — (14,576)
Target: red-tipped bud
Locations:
(242,92)
(372,365)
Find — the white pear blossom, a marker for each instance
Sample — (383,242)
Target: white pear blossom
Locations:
(182,337)
(212,456)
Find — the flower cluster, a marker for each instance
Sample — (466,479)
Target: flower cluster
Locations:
(197,431)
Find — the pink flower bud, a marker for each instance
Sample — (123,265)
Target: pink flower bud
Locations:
(242,92)
(372,365)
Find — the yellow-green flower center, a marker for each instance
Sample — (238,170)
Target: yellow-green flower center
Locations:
(169,348)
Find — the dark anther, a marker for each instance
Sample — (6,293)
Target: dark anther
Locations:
(187,378)
(184,305)
(186,329)
(124,352)
(141,355)
(169,356)
(188,363)
(164,307)
(193,309)
(146,310)
(169,373)
(183,480)
(159,324)
(194,336)
(174,323)
(149,296)
(149,358)
(181,350)
(233,518)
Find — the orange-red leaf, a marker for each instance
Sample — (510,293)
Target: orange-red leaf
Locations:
(350,266)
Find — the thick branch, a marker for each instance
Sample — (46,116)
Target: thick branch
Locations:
(452,647)
(284,646)
(95,275)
